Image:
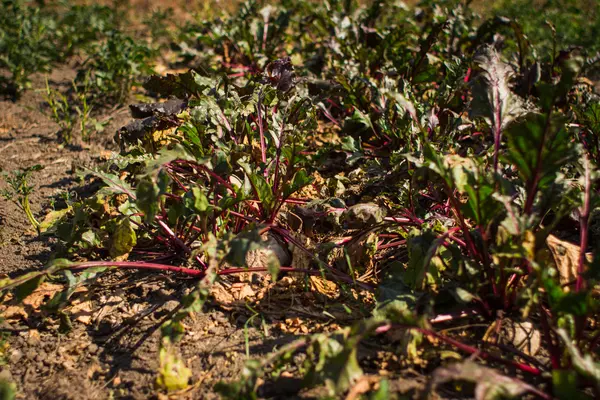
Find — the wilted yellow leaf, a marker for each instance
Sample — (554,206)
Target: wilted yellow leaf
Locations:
(173,373)
(52,218)
(123,239)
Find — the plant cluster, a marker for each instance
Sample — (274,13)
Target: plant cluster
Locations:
(429,158)
(33,39)
(19,189)
(112,68)
(566,22)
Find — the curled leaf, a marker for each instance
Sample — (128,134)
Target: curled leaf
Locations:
(489,384)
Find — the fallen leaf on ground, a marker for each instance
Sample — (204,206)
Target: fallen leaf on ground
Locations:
(12,313)
(82,311)
(39,296)
(221,294)
(33,337)
(324,286)
(242,291)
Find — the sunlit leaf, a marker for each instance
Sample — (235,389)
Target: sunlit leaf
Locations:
(173,374)
(123,239)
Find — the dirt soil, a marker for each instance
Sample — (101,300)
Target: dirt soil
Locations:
(111,350)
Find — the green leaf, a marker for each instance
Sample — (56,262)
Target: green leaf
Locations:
(570,67)
(585,365)
(350,144)
(471,179)
(91,238)
(564,385)
(196,200)
(492,97)
(422,247)
(539,148)
(561,301)
(357,123)
(261,188)
(147,194)
(396,301)
(165,156)
(273,266)
(383,393)
(52,219)
(113,183)
(123,239)
(462,295)
(336,363)
(25,289)
(299,180)
(8,389)
(73,282)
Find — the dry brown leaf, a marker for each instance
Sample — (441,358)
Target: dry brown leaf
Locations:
(293,325)
(45,291)
(242,291)
(522,335)
(33,337)
(293,322)
(566,258)
(274,247)
(82,311)
(301,259)
(108,305)
(93,369)
(362,386)
(14,313)
(105,155)
(324,286)
(221,295)
(362,253)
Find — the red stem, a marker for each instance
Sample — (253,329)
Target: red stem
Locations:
(138,265)
(174,237)
(584,228)
(263,146)
(552,347)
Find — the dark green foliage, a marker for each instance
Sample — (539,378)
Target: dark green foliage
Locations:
(34,38)
(26,44)
(115,64)
(570,22)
